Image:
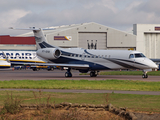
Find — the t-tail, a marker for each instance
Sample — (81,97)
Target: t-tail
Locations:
(41,41)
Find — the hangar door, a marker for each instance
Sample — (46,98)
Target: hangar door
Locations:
(152,45)
(92,40)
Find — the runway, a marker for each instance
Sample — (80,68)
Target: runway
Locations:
(59,75)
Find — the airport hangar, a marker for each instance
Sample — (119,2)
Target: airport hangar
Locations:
(145,38)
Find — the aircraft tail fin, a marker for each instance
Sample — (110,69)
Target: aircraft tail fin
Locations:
(40,39)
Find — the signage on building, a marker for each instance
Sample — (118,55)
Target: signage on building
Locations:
(157,28)
(69,38)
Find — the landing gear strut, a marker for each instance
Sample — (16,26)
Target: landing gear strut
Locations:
(93,73)
(68,73)
(145,74)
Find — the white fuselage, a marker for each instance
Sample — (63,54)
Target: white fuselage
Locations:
(104,59)
(21,56)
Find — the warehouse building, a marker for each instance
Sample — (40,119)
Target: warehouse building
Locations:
(148,39)
(145,38)
(89,36)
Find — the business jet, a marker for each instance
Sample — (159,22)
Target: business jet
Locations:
(86,60)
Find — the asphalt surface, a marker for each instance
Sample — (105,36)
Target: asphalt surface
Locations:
(59,75)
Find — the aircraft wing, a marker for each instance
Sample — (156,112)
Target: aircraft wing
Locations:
(53,64)
(155,60)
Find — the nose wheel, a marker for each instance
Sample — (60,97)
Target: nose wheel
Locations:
(144,76)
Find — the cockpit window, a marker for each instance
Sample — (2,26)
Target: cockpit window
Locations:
(138,55)
(131,56)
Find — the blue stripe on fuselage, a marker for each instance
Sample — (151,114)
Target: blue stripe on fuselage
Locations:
(92,66)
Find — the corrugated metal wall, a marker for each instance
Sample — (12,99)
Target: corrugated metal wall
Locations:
(93,39)
(152,45)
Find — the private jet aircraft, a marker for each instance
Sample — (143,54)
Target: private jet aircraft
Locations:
(86,60)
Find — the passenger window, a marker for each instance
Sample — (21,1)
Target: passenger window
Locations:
(131,56)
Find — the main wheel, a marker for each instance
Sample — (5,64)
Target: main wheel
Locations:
(93,74)
(68,74)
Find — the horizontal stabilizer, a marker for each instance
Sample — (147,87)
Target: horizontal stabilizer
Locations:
(32,28)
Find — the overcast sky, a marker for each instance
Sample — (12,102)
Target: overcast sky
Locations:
(118,14)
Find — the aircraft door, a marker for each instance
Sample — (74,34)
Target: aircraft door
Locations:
(83,56)
(132,58)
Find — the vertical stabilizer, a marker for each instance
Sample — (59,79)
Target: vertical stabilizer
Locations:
(41,41)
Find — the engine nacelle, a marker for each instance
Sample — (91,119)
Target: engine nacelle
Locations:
(49,53)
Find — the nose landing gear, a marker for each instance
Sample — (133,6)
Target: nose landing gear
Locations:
(145,74)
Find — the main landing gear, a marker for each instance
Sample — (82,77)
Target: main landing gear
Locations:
(93,73)
(68,73)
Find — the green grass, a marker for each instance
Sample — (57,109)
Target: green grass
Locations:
(149,103)
(153,73)
(83,84)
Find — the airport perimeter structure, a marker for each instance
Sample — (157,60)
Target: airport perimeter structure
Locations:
(145,38)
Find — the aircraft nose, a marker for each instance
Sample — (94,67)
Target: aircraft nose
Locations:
(153,65)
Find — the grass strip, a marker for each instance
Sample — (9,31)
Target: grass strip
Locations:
(145,103)
(83,84)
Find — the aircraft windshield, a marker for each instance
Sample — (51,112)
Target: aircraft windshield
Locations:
(138,55)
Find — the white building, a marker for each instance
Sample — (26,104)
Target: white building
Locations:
(89,35)
(145,38)
(148,39)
